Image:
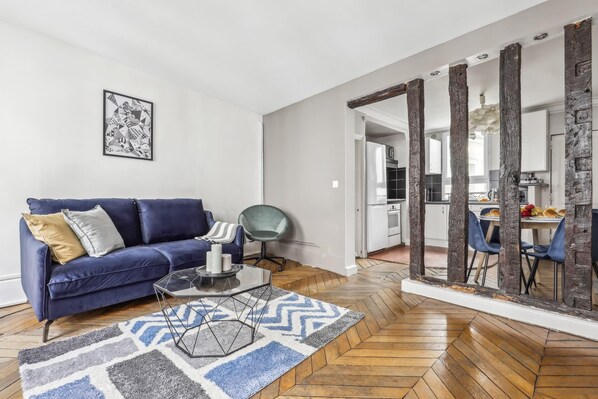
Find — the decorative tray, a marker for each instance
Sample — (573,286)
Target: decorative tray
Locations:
(233,271)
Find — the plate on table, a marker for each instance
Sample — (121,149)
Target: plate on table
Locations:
(543,219)
(485,217)
(235,268)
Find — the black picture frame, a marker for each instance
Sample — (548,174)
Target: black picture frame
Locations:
(127,126)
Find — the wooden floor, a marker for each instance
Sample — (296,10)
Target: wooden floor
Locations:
(407,345)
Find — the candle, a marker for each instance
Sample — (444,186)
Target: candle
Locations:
(209,262)
(227,262)
(216,258)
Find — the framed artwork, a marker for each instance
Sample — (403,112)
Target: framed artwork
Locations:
(128,126)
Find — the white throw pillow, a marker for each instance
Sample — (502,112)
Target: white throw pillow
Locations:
(95,230)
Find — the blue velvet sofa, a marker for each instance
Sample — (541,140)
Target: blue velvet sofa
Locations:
(159,238)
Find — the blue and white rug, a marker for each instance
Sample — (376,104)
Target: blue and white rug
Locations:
(138,359)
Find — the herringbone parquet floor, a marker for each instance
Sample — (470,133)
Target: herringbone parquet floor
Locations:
(407,346)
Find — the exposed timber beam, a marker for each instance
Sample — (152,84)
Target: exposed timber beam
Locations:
(509,278)
(417,152)
(578,165)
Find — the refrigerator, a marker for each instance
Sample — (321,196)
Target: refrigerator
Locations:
(376,197)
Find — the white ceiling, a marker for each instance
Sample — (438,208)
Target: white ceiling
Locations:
(542,83)
(373,129)
(262,54)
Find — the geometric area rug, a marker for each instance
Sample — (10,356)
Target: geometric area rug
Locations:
(138,359)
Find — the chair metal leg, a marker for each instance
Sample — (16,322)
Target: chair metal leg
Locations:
(46,330)
(529,266)
(485,270)
(523,277)
(532,275)
(555,290)
(475,252)
(264,256)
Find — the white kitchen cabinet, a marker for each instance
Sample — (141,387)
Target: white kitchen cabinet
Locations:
(433,156)
(534,141)
(436,226)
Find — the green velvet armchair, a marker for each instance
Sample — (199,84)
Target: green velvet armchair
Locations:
(265,223)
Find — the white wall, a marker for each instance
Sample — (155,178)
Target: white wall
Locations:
(51,129)
(311,143)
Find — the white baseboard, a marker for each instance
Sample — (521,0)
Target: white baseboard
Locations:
(350,270)
(11,292)
(526,314)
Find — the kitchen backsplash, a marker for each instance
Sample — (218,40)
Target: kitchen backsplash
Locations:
(396,183)
(433,187)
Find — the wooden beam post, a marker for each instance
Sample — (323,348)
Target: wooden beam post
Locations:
(578,165)
(459,210)
(417,153)
(380,95)
(509,276)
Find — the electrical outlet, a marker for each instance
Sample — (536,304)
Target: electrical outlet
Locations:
(335,184)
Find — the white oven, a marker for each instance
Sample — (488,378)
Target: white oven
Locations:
(394,224)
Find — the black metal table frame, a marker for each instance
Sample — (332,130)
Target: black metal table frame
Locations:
(252,322)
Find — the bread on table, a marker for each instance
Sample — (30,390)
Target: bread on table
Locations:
(551,213)
(493,212)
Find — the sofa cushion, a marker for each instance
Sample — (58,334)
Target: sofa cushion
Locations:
(165,220)
(118,268)
(96,231)
(123,213)
(54,231)
(191,253)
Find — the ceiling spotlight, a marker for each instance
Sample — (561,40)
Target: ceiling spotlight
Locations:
(435,73)
(482,56)
(541,36)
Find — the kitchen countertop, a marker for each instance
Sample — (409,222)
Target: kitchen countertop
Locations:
(445,202)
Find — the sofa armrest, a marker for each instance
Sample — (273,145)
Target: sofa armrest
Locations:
(35,270)
(209,219)
(240,237)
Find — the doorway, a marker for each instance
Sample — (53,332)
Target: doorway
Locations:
(381,205)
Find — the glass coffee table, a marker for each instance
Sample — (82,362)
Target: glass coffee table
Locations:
(214,317)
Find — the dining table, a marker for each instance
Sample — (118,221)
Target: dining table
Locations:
(534,223)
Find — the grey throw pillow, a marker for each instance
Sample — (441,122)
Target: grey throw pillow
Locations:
(95,230)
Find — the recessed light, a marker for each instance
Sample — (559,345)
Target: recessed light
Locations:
(435,73)
(482,56)
(541,36)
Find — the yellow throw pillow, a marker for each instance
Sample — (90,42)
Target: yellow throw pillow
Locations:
(53,230)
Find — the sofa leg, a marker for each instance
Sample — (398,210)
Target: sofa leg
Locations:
(46,330)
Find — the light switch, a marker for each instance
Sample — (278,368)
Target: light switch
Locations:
(335,184)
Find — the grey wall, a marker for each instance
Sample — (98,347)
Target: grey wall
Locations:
(310,143)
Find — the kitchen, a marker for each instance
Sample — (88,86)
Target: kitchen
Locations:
(387,191)
(386,185)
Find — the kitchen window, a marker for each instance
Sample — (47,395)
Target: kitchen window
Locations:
(478,164)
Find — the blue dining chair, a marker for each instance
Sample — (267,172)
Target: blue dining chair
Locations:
(555,253)
(477,241)
(495,239)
